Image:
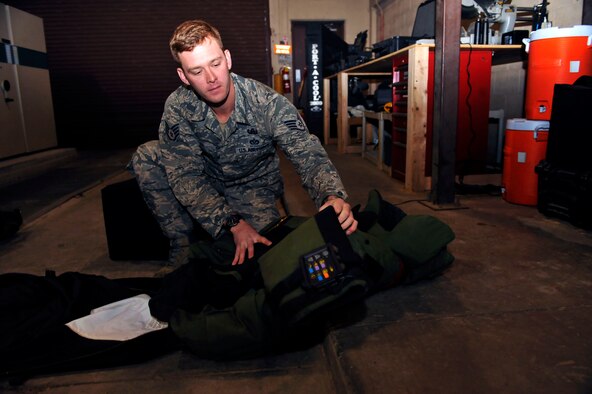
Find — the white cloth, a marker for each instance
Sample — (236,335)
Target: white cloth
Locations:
(357,111)
(119,321)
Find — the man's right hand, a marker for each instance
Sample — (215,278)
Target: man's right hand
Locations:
(245,238)
(344,212)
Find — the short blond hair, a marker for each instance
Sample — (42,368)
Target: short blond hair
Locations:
(191,33)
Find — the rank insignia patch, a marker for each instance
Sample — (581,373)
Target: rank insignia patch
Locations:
(172,132)
(295,124)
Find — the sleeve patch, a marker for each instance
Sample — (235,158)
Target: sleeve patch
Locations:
(295,124)
(172,132)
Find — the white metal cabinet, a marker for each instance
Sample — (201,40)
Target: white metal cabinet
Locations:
(12,134)
(27,121)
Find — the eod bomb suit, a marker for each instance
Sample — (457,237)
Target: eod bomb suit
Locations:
(288,291)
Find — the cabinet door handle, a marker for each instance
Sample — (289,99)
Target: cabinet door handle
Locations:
(8,100)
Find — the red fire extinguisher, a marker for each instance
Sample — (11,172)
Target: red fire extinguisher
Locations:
(287,85)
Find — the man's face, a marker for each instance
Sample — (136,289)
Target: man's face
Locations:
(207,70)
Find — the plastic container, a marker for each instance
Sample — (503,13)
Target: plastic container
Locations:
(555,56)
(525,146)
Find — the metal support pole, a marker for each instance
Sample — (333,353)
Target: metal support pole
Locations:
(446,76)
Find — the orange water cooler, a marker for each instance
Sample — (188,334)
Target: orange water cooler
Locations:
(555,56)
(525,146)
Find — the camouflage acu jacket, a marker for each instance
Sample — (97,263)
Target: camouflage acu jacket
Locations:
(206,165)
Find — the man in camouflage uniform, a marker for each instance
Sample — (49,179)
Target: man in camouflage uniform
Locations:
(216,160)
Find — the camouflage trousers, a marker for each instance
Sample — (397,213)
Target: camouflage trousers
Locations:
(257,202)
(173,218)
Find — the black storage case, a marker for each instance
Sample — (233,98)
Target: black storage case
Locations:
(565,194)
(132,231)
(393,44)
(565,176)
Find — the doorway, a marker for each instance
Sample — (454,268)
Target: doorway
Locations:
(302,34)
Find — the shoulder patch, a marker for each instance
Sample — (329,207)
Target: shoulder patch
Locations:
(295,124)
(172,132)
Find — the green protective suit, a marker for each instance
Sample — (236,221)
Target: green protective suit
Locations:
(275,303)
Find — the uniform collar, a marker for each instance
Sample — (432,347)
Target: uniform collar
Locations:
(241,107)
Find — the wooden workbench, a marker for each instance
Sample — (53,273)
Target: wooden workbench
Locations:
(417,109)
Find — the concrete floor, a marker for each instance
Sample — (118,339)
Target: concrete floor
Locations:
(512,315)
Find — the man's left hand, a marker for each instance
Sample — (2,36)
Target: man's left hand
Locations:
(245,238)
(344,213)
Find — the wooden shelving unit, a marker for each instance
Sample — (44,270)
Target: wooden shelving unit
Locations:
(410,70)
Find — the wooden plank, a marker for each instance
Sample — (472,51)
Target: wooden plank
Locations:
(326,111)
(417,118)
(380,64)
(342,127)
(380,141)
(369,75)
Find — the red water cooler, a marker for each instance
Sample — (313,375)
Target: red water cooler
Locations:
(555,56)
(525,146)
